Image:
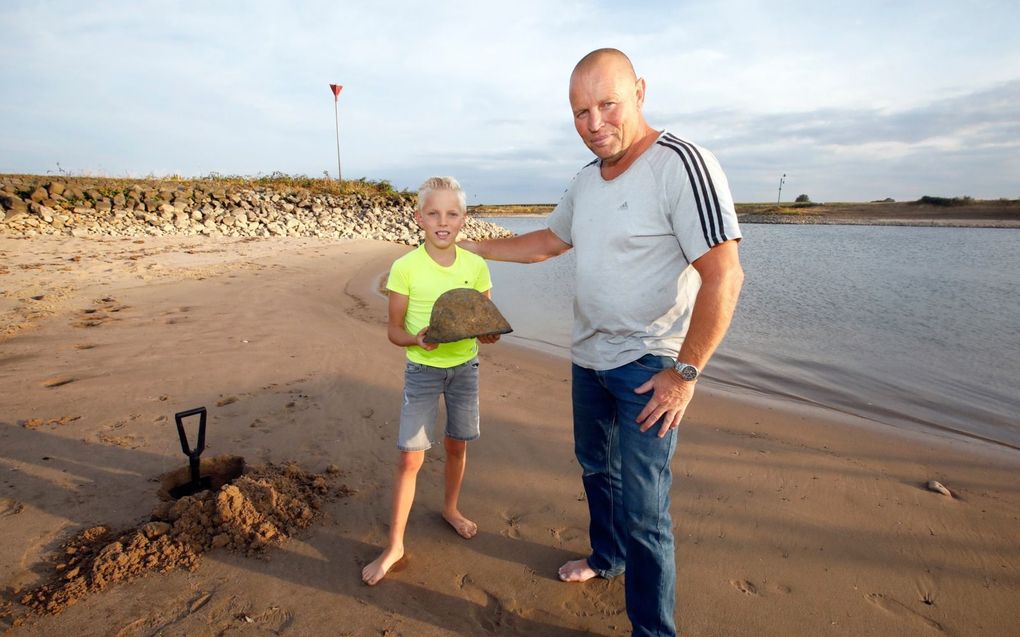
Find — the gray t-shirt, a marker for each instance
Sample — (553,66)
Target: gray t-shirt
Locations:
(635,238)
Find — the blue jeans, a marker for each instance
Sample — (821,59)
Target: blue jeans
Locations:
(627,477)
(422,386)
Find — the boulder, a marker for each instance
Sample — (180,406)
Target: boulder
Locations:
(13,203)
(110,207)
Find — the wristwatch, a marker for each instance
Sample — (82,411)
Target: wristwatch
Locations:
(687,372)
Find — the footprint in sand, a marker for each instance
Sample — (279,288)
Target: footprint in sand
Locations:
(92,322)
(566,534)
(745,586)
(604,597)
(10,507)
(33,423)
(228,615)
(100,314)
(902,611)
(127,442)
(513,521)
(489,611)
(607,598)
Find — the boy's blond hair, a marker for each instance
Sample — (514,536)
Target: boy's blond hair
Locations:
(432,184)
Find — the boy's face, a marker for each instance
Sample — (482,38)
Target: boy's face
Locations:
(441,218)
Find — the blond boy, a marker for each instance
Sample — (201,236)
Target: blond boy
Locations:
(448,369)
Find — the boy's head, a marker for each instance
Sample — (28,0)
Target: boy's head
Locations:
(442,210)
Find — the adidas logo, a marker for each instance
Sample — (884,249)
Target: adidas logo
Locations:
(623,206)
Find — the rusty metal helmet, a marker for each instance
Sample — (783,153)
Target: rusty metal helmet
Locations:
(464,313)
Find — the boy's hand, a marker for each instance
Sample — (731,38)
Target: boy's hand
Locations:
(488,339)
(420,339)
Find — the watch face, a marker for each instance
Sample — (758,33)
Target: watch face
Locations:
(688,372)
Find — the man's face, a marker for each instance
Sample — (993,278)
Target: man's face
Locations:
(606,101)
(441,218)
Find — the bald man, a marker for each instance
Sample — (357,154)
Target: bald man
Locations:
(653,226)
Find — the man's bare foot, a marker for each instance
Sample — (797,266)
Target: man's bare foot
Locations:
(463,526)
(577,571)
(390,559)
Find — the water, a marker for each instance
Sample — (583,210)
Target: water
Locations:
(914,327)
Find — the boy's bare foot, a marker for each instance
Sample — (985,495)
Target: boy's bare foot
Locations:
(463,526)
(390,560)
(577,571)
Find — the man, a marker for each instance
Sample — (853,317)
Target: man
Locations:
(654,230)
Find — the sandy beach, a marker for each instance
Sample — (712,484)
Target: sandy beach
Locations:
(789,520)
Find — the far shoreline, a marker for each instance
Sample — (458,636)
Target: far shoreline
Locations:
(946,213)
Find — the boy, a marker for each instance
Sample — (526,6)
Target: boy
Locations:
(416,281)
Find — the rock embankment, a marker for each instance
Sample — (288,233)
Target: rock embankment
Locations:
(82,207)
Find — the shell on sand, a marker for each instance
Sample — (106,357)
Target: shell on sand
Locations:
(464,313)
(938,487)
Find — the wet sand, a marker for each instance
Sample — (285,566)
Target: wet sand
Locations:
(789,520)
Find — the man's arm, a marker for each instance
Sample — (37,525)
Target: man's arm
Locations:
(525,248)
(721,280)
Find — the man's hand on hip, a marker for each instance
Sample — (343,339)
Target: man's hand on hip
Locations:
(669,400)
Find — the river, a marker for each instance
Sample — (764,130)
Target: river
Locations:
(909,326)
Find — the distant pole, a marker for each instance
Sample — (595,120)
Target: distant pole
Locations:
(778,199)
(336,88)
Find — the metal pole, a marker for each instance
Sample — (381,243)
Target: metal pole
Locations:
(781,180)
(336,111)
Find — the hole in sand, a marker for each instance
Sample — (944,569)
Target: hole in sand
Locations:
(255,512)
(220,471)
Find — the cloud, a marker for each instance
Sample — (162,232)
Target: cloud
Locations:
(480,90)
(840,153)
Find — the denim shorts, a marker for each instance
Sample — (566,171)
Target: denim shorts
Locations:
(423,385)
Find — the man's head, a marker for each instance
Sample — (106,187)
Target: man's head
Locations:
(606,97)
(441,211)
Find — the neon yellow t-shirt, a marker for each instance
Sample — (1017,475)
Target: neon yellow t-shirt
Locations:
(422,280)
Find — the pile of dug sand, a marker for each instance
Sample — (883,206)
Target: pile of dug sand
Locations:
(258,510)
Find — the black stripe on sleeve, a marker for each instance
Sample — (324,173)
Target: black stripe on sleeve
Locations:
(694,189)
(707,189)
(711,184)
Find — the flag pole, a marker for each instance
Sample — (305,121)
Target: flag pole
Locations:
(336,88)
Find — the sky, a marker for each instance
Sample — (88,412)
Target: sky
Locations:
(851,101)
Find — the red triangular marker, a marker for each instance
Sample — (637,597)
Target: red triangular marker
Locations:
(336,90)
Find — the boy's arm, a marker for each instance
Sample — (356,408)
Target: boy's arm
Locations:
(395,328)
